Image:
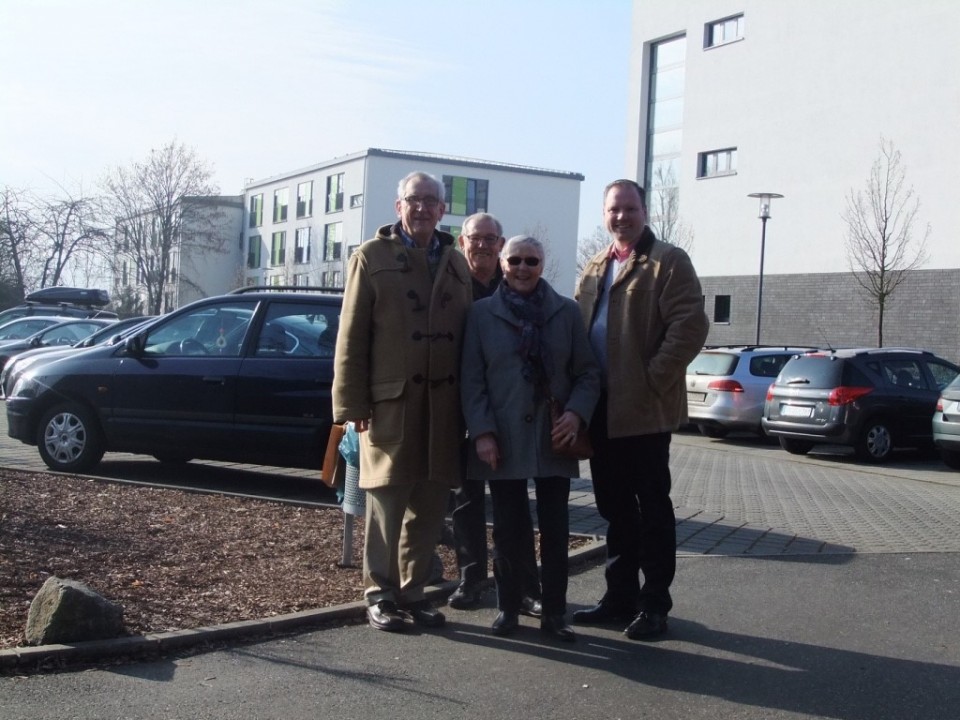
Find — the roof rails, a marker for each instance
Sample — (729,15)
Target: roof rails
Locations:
(286,288)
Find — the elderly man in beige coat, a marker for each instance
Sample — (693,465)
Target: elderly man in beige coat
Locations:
(397,377)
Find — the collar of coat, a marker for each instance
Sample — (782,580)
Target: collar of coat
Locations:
(552,304)
(395,232)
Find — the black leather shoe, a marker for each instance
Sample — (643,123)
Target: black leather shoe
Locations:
(506,623)
(385,616)
(423,613)
(604,613)
(646,625)
(531,607)
(465,597)
(556,626)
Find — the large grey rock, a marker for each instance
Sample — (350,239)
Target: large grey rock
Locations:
(66,611)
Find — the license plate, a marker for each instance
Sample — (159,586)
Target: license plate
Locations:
(696,397)
(796,411)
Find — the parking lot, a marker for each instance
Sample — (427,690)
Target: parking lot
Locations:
(740,495)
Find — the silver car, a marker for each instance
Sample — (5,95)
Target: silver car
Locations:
(946,424)
(726,386)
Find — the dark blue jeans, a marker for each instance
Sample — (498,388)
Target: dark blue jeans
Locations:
(512,544)
(631,483)
(470,534)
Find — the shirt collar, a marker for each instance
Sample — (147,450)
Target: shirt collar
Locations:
(621,255)
(411,243)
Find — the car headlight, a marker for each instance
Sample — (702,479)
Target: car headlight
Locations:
(25,386)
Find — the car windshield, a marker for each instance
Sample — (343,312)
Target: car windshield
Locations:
(713,363)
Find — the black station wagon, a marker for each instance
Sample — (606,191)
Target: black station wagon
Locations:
(242,377)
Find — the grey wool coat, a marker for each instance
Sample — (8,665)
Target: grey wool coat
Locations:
(497,399)
(398,360)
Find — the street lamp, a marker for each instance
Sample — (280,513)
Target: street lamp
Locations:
(765,199)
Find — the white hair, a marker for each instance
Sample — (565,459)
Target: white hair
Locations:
(419,175)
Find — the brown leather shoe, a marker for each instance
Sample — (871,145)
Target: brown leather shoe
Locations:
(385,616)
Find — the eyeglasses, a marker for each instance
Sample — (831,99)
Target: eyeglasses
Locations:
(428,202)
(528,261)
(488,240)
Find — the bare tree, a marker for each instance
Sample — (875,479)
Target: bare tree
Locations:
(881,247)
(147,201)
(542,233)
(17,241)
(590,246)
(68,234)
(664,210)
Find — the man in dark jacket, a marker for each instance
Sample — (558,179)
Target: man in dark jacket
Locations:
(642,303)
(481,239)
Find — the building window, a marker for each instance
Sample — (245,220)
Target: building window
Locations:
(665,117)
(276,280)
(332,241)
(335,193)
(721,309)
(717,162)
(301,253)
(465,196)
(301,279)
(454,230)
(356,201)
(278,253)
(280,202)
(305,199)
(723,31)
(331,279)
(253,251)
(256,210)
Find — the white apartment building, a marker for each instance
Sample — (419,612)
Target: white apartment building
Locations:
(733,97)
(301,226)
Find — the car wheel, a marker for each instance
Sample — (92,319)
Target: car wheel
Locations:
(875,443)
(713,431)
(69,439)
(172,459)
(951,458)
(796,447)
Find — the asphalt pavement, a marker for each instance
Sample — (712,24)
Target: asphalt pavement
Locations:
(807,587)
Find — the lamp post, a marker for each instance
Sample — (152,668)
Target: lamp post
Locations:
(765,199)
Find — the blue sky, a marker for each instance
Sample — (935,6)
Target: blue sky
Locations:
(261,88)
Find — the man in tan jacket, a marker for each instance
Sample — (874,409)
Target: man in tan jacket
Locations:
(642,303)
(397,377)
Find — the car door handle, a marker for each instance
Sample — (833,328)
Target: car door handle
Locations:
(214,379)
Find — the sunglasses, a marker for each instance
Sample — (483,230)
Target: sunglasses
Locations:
(528,261)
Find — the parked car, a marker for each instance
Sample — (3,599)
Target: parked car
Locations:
(67,333)
(20,362)
(727,386)
(242,377)
(62,301)
(946,424)
(873,399)
(24,327)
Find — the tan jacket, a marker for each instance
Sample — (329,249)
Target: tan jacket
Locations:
(398,360)
(655,326)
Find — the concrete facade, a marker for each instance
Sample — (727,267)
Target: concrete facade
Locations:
(801,92)
(526,200)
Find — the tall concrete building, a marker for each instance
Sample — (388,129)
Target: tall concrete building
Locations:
(793,97)
(301,226)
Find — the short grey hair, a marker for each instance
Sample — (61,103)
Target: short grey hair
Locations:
(477,217)
(528,240)
(420,175)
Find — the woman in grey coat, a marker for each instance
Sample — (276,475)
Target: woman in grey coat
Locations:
(522,346)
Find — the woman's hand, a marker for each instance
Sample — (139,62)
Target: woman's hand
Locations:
(565,429)
(488,450)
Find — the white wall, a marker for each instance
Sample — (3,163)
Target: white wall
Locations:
(805,97)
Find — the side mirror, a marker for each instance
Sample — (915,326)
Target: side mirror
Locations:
(134,345)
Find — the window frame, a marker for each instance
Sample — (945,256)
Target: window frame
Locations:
(710,28)
(704,158)
(281,204)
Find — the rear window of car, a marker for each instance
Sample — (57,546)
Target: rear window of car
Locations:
(713,363)
(768,365)
(823,371)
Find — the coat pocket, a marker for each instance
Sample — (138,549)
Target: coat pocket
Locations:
(386,423)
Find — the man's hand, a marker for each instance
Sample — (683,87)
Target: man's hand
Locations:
(565,430)
(361,425)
